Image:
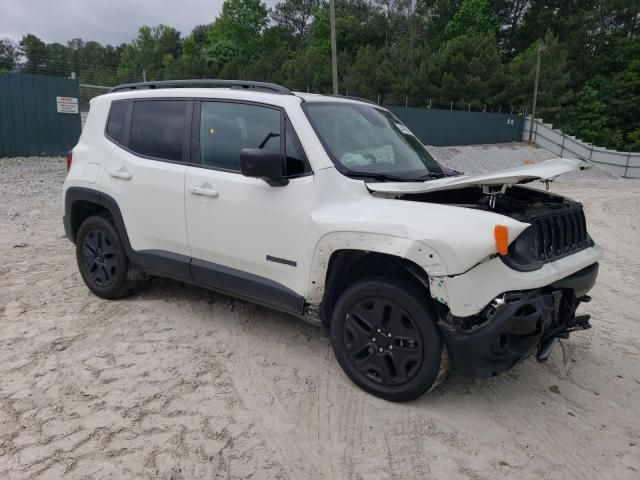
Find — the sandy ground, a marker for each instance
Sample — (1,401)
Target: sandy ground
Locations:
(178,382)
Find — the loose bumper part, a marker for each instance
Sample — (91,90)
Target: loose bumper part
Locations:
(516,325)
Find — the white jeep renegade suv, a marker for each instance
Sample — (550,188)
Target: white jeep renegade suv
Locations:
(328,208)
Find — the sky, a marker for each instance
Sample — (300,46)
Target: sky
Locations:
(106,21)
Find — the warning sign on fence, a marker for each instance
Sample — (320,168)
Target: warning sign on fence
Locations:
(67,104)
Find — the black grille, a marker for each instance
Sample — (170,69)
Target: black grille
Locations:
(559,234)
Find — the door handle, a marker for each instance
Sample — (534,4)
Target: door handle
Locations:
(122,174)
(205,191)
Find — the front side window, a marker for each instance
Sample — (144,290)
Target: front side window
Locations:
(158,127)
(369,141)
(226,128)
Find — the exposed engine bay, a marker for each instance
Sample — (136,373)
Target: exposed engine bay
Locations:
(517,202)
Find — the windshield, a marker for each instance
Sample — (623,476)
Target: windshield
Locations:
(366,140)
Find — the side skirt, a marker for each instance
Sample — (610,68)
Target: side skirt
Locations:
(222,279)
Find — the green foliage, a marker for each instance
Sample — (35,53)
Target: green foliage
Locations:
(370,74)
(295,17)
(36,52)
(554,78)
(240,22)
(9,55)
(151,51)
(472,18)
(478,54)
(467,69)
(588,119)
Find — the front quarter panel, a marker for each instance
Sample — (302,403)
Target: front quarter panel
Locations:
(442,239)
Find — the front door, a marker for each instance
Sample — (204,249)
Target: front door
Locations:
(247,237)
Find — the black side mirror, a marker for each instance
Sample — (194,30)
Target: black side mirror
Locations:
(263,164)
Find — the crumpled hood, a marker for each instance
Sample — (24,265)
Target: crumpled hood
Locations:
(510,176)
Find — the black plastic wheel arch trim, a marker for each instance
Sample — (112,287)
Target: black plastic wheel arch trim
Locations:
(184,268)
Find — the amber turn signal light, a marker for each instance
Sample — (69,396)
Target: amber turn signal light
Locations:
(502,239)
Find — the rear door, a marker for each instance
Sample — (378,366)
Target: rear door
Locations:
(247,237)
(145,174)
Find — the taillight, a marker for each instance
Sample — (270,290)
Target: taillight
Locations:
(69,160)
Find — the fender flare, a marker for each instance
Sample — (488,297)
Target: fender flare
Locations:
(416,251)
(74,194)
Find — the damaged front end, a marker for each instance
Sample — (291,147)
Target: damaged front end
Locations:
(516,325)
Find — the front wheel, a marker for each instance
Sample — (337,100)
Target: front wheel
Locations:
(386,339)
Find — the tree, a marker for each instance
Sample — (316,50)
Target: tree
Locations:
(295,16)
(240,22)
(473,17)
(471,52)
(150,52)
(467,69)
(9,55)
(554,78)
(509,14)
(588,120)
(370,74)
(35,51)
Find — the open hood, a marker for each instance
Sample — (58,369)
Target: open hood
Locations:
(510,176)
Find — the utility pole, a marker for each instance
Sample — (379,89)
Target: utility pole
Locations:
(535,92)
(334,53)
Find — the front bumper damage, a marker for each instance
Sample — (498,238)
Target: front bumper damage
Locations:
(516,325)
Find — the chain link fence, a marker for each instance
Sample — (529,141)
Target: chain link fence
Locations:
(87,92)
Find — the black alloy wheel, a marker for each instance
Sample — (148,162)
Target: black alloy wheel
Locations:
(99,257)
(383,341)
(386,339)
(102,261)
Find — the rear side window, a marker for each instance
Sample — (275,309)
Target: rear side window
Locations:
(158,127)
(115,123)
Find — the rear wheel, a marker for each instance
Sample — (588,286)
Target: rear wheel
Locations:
(386,339)
(102,261)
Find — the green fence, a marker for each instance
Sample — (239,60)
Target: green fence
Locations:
(37,115)
(456,127)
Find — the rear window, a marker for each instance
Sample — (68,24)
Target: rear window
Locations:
(115,123)
(157,128)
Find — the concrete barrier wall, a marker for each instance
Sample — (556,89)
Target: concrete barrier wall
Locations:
(625,164)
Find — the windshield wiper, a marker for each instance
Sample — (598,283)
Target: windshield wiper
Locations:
(377,176)
(395,178)
(446,172)
(430,176)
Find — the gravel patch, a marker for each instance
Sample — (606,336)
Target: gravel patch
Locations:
(31,198)
(178,383)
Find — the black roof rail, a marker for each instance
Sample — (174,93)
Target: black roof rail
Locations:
(203,82)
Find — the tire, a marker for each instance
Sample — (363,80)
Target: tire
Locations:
(386,339)
(102,261)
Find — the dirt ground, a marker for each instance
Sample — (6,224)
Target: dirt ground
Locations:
(178,382)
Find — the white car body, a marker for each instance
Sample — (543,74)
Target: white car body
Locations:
(311,217)
(498,270)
